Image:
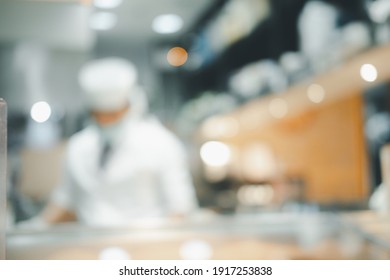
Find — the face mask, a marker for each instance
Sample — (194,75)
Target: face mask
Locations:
(113,133)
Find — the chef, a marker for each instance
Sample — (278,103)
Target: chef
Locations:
(125,165)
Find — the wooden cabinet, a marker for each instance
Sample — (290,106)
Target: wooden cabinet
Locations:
(319,139)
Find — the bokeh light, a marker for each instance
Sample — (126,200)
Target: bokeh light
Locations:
(40,112)
(168,23)
(215,153)
(114,253)
(368,72)
(107,4)
(196,250)
(220,127)
(177,56)
(316,93)
(252,195)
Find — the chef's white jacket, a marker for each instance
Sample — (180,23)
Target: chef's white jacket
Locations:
(146,176)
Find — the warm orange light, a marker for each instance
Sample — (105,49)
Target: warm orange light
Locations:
(177,56)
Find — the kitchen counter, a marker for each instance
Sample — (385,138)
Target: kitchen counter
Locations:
(371,230)
(351,235)
(253,236)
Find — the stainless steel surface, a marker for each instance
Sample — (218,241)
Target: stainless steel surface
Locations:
(372,227)
(261,236)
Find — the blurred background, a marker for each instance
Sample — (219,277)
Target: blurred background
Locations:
(283,107)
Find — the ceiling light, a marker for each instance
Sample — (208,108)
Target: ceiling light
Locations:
(107,4)
(40,112)
(168,23)
(102,21)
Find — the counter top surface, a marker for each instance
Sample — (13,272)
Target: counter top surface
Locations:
(261,236)
(244,236)
(371,225)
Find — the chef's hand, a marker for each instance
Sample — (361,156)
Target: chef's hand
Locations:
(51,214)
(177,217)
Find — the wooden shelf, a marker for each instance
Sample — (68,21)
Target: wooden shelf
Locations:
(339,83)
(322,143)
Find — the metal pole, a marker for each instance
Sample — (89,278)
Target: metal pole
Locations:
(3,169)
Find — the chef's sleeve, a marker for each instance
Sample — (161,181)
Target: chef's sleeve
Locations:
(64,195)
(176,180)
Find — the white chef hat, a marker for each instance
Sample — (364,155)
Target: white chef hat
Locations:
(108,83)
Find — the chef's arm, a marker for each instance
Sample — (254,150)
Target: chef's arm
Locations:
(62,201)
(58,208)
(53,214)
(177,184)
